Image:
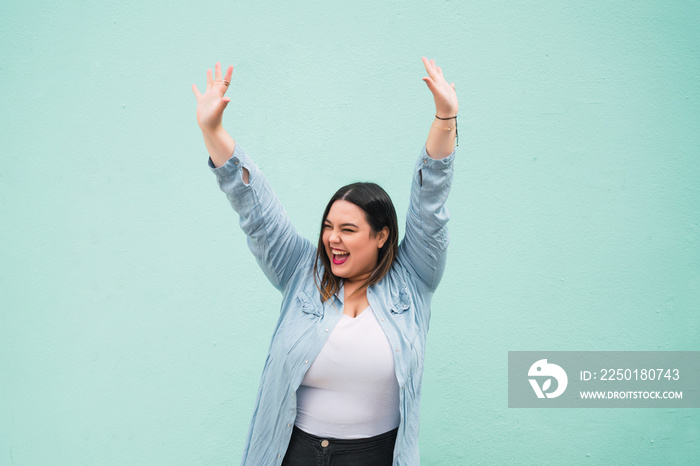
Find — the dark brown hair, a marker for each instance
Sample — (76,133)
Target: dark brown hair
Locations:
(379,213)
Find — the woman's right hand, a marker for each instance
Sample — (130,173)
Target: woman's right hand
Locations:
(211,104)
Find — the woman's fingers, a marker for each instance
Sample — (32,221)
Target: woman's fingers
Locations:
(434,71)
(211,82)
(197,94)
(217,77)
(211,103)
(428,67)
(443,92)
(227,78)
(433,66)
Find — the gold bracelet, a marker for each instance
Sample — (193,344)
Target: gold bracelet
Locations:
(449,118)
(446,129)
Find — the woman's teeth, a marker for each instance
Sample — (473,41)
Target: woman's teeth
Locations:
(339,256)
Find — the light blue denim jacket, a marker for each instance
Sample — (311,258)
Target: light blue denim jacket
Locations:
(401,300)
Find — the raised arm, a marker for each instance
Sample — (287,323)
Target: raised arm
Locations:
(275,243)
(424,246)
(210,111)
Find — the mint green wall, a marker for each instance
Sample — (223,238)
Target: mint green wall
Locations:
(134,323)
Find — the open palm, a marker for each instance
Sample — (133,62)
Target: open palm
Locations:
(444,94)
(211,104)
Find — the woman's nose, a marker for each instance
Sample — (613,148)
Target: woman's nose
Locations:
(334,237)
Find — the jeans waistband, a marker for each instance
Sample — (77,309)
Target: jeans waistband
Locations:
(389,436)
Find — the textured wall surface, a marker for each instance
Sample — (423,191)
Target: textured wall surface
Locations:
(134,323)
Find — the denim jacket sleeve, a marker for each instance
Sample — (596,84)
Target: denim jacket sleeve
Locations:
(425,241)
(273,240)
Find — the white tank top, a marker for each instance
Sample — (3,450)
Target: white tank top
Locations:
(350,390)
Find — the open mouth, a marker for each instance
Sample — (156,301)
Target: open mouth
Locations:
(339,256)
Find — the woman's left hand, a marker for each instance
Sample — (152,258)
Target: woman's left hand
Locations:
(446,104)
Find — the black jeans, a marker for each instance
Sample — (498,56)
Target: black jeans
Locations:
(308,450)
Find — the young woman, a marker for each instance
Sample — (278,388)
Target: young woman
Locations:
(342,380)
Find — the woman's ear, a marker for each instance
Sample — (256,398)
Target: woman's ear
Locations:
(383,235)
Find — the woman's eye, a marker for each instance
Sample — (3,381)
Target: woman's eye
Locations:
(348,230)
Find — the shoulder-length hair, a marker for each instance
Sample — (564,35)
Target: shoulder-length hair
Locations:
(379,212)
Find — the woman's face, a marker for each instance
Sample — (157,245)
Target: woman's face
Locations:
(351,246)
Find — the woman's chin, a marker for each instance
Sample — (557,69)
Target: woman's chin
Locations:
(338,271)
